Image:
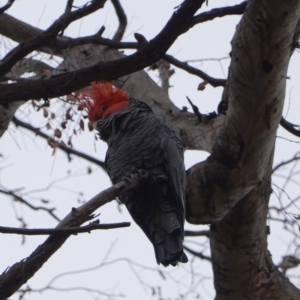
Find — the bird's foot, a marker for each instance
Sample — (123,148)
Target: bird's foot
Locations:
(135,176)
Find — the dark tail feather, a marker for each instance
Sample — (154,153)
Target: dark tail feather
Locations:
(170,251)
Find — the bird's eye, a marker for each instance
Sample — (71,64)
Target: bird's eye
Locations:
(104,108)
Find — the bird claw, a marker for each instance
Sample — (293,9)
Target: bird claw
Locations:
(135,174)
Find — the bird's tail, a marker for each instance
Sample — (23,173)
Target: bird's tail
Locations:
(170,250)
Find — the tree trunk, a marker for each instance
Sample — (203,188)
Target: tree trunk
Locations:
(232,188)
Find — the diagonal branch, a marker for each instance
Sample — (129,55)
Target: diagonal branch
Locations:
(60,146)
(197,254)
(18,198)
(284,163)
(215,82)
(18,274)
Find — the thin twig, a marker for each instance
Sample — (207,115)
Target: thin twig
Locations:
(60,146)
(215,82)
(296,157)
(25,202)
(198,254)
(48,36)
(61,231)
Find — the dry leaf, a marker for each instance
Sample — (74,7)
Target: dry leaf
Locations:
(202,85)
(45,112)
(81,124)
(57,133)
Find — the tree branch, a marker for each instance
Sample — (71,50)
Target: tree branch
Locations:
(197,233)
(290,127)
(48,36)
(197,254)
(122,20)
(219,12)
(62,231)
(296,157)
(18,198)
(6,6)
(18,274)
(60,146)
(215,82)
(59,85)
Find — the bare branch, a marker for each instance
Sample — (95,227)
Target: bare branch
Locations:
(69,6)
(197,254)
(18,198)
(219,12)
(215,82)
(68,82)
(60,145)
(290,127)
(197,233)
(165,73)
(93,39)
(48,36)
(296,157)
(122,20)
(6,6)
(62,231)
(18,274)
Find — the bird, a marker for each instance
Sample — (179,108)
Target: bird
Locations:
(138,139)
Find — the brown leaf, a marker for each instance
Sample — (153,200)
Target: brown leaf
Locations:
(45,112)
(48,126)
(52,115)
(68,114)
(57,133)
(89,170)
(81,124)
(90,126)
(63,124)
(202,85)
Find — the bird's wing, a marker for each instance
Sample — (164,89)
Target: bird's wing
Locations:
(174,163)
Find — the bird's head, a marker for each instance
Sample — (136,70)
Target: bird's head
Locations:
(102,100)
